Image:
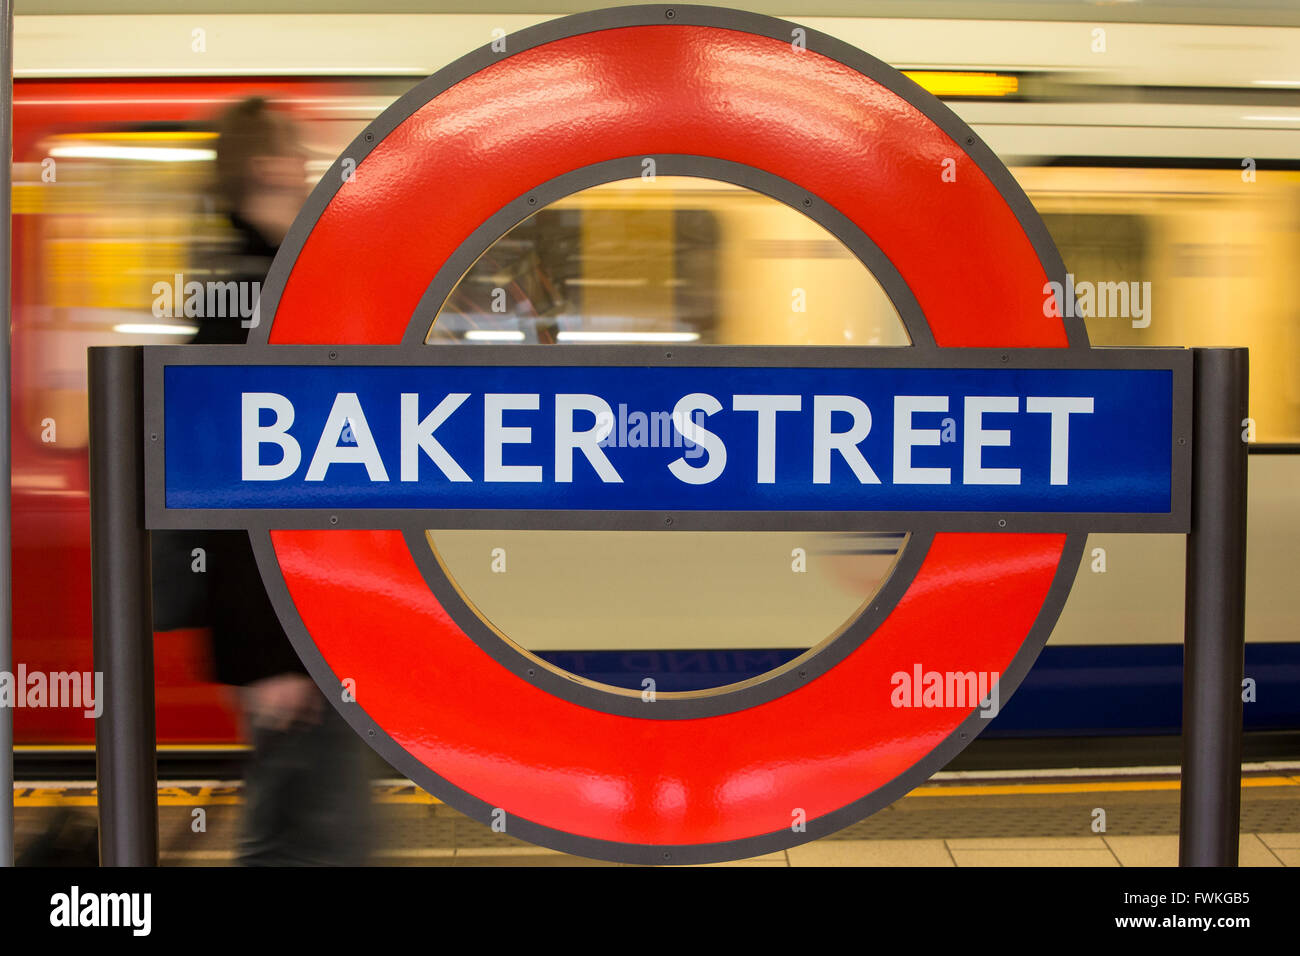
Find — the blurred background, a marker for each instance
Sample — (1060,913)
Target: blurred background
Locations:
(1159,141)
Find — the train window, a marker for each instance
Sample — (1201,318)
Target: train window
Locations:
(672,258)
(668,260)
(1186,257)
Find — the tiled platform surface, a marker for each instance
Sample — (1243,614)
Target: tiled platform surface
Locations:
(956,820)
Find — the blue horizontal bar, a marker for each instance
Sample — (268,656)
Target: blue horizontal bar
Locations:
(737,439)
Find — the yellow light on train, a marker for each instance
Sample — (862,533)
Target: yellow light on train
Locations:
(948,83)
(157,154)
(151,328)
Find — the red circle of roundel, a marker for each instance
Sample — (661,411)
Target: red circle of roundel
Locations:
(526,119)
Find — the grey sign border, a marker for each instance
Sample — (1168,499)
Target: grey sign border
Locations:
(485,56)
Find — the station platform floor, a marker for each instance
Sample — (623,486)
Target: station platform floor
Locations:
(1076,818)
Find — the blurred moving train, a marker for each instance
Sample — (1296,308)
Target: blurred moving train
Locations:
(1148,163)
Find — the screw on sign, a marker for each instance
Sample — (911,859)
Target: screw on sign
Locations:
(1055,439)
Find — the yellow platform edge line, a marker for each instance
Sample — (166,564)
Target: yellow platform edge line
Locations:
(1099,786)
(223,796)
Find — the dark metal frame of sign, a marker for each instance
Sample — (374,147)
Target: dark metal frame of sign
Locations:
(1207,458)
(1175,521)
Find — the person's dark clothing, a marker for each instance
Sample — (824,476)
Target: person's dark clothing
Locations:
(248,642)
(247,260)
(307,797)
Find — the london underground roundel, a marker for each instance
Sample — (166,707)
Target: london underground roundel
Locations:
(995,539)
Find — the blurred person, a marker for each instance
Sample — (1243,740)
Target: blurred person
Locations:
(306,784)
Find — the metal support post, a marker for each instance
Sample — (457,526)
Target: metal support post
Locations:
(1215,621)
(125,740)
